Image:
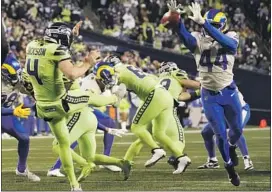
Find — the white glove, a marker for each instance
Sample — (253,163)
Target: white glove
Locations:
(116,132)
(196,10)
(120,91)
(173,7)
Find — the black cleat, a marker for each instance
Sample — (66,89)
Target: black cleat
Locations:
(126,168)
(233,176)
(209,165)
(233,155)
(173,162)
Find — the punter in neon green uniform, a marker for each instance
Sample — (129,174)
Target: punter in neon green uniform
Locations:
(157,107)
(47,61)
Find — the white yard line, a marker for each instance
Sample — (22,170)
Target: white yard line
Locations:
(130,134)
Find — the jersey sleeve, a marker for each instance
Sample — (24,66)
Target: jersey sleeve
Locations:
(62,53)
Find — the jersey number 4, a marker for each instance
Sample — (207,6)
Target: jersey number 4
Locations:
(34,72)
(220,60)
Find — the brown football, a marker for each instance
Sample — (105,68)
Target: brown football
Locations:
(170,18)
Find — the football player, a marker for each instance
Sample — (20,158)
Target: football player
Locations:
(105,123)
(214,49)
(208,136)
(11,86)
(47,61)
(176,82)
(157,106)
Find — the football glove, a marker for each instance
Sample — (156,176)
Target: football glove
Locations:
(116,132)
(173,7)
(197,17)
(21,112)
(120,91)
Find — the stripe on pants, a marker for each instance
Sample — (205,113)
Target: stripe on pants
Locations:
(73,121)
(179,126)
(144,107)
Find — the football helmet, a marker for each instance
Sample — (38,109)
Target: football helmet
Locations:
(217,18)
(105,73)
(166,67)
(59,33)
(10,69)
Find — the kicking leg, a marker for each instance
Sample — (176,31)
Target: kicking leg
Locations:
(60,130)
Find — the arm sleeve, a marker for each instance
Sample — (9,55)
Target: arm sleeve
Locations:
(100,100)
(189,40)
(228,42)
(101,127)
(6,111)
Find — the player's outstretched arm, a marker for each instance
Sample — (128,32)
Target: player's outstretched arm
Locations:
(98,100)
(190,84)
(73,72)
(189,40)
(189,96)
(230,43)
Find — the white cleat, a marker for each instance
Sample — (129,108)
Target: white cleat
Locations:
(29,175)
(248,163)
(182,163)
(76,188)
(112,168)
(157,154)
(55,173)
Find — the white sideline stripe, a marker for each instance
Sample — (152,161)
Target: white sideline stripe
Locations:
(130,134)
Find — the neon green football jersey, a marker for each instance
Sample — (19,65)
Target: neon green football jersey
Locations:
(42,60)
(171,82)
(135,80)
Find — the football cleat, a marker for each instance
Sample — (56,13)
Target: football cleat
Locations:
(182,163)
(85,171)
(233,176)
(55,173)
(157,154)
(172,161)
(248,163)
(126,168)
(31,176)
(233,155)
(210,164)
(76,188)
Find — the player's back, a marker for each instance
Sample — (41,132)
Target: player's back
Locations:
(135,80)
(171,82)
(42,60)
(214,62)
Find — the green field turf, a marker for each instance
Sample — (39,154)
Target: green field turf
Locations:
(157,178)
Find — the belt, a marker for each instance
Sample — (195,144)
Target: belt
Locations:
(230,87)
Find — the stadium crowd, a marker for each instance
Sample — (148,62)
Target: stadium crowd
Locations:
(136,20)
(140,21)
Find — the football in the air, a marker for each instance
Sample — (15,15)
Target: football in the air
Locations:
(170,19)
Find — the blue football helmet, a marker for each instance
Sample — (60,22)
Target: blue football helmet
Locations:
(10,69)
(217,18)
(104,71)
